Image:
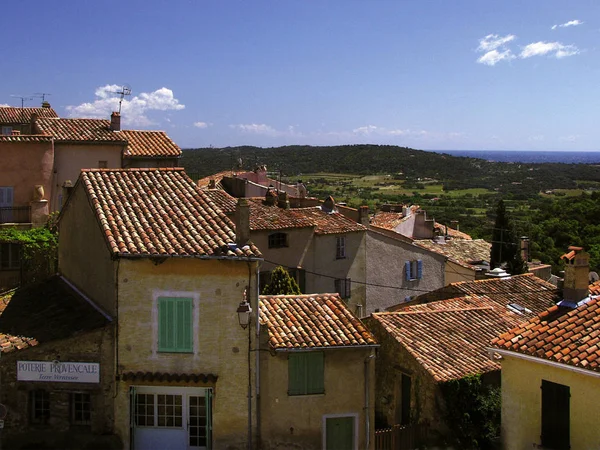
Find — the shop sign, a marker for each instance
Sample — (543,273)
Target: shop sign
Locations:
(58,371)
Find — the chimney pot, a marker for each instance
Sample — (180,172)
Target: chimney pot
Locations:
(45,104)
(115,121)
(576,279)
(242,222)
(363,215)
(283,201)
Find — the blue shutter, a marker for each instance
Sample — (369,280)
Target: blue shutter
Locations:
(419,268)
(407,270)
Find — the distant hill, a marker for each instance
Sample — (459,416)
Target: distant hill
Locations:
(406,163)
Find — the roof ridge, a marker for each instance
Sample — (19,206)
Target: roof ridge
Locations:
(139,169)
(333,294)
(406,312)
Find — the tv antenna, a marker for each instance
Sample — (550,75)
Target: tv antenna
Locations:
(23,98)
(41,95)
(125,90)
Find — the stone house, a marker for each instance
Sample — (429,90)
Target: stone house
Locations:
(398,270)
(432,341)
(321,248)
(98,143)
(57,368)
(16,121)
(550,369)
(316,374)
(155,252)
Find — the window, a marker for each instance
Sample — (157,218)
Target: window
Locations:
(175,328)
(39,406)
(340,247)
(169,410)
(10,256)
(306,373)
(403,387)
(278,240)
(6,131)
(102,164)
(81,410)
(413,270)
(343,287)
(144,411)
(555,415)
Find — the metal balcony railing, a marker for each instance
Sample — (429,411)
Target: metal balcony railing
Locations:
(15,214)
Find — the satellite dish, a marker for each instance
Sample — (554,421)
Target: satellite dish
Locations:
(593,277)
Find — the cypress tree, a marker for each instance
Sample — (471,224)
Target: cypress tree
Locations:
(281,283)
(504,245)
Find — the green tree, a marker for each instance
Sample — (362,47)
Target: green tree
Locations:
(504,245)
(281,283)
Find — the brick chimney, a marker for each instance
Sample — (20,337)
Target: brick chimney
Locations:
(363,215)
(242,222)
(115,121)
(525,249)
(32,120)
(577,268)
(283,201)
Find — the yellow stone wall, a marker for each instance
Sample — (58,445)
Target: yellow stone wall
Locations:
(522,404)
(456,272)
(83,254)
(221,345)
(297,421)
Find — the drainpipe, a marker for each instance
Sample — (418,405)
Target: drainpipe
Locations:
(257,356)
(367,402)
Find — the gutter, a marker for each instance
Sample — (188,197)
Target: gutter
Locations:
(320,349)
(535,359)
(367,401)
(149,256)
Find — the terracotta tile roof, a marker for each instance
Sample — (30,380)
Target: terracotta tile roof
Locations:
(94,130)
(448,343)
(444,230)
(564,335)
(15,115)
(163,376)
(138,143)
(462,251)
(311,321)
(223,200)
(44,312)
(327,223)
(594,288)
(159,212)
(149,143)
(204,182)
(387,220)
(525,290)
(263,217)
(26,138)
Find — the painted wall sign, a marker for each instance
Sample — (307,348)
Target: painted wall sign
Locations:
(56,371)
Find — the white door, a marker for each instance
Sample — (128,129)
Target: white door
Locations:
(171,418)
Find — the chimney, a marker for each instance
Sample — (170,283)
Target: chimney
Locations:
(363,215)
(32,120)
(115,121)
(283,201)
(525,249)
(242,222)
(212,184)
(577,268)
(454,224)
(270,197)
(45,104)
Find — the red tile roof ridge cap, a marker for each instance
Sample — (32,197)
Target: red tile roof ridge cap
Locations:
(407,312)
(334,294)
(138,169)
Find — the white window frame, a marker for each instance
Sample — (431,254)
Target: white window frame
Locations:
(195,296)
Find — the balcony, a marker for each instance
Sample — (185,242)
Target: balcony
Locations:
(15,214)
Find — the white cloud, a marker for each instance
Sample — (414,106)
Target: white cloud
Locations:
(202,124)
(133,111)
(493,41)
(4,105)
(493,57)
(371,130)
(542,48)
(257,128)
(536,138)
(495,50)
(571,138)
(570,23)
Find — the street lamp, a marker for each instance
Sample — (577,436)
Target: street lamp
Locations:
(244,312)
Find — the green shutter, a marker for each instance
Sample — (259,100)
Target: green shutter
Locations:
(175,326)
(296,374)
(315,373)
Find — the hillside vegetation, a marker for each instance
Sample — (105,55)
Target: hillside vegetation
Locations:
(555,205)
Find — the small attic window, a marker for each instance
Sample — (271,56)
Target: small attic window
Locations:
(278,240)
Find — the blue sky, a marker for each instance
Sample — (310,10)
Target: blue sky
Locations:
(462,74)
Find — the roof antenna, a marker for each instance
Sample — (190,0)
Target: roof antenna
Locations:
(125,90)
(23,98)
(41,95)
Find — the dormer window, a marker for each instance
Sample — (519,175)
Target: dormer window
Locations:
(278,240)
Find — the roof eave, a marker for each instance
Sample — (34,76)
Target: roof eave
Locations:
(321,348)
